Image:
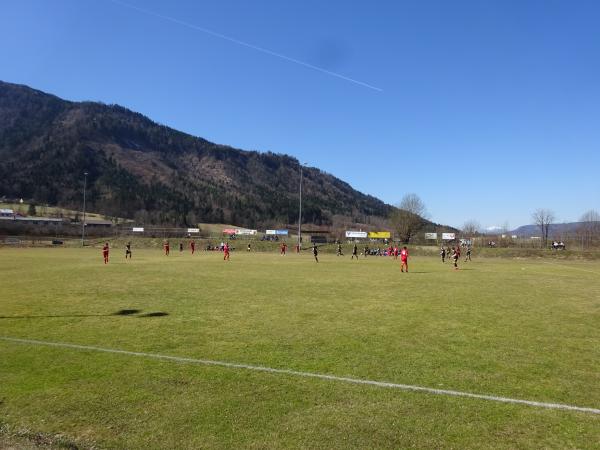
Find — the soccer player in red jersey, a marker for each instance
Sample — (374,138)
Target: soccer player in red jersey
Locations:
(105,253)
(456,257)
(226,252)
(404,259)
(283,248)
(166,247)
(396,251)
(193,246)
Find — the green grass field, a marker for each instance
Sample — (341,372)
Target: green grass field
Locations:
(524,329)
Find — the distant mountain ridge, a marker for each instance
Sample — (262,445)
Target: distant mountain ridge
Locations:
(554,229)
(140,169)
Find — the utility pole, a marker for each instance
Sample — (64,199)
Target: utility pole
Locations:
(300,212)
(85,174)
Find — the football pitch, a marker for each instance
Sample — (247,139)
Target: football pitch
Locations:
(266,351)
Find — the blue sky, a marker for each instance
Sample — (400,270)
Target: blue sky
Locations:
(487,109)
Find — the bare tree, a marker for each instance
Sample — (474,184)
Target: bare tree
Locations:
(543,218)
(592,216)
(590,227)
(409,217)
(471,228)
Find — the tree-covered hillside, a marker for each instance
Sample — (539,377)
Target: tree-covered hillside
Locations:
(140,169)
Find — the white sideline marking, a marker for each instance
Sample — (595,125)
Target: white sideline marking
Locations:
(384,384)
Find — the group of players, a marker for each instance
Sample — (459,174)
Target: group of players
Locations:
(395,252)
(454,254)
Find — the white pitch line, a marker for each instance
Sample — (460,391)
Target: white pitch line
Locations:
(405,387)
(246,44)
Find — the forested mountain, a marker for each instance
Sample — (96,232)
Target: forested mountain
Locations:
(140,169)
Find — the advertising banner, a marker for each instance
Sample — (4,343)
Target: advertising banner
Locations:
(432,236)
(193,230)
(229,231)
(245,232)
(448,236)
(138,229)
(356,234)
(380,234)
(277,232)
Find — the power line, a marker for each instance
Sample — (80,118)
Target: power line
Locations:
(246,44)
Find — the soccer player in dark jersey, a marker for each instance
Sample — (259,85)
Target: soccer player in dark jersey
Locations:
(339,251)
(443,254)
(316,252)
(249,247)
(105,253)
(468,257)
(128,250)
(366,250)
(166,247)
(404,259)
(354,252)
(181,247)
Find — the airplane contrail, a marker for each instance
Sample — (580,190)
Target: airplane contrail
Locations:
(246,44)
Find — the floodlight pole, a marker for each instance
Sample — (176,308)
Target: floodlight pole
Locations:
(85,174)
(300,212)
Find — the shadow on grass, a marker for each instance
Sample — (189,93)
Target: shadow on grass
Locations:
(55,316)
(154,314)
(126,312)
(121,312)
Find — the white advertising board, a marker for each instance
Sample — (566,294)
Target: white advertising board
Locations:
(244,232)
(432,236)
(356,234)
(277,232)
(138,229)
(448,236)
(193,230)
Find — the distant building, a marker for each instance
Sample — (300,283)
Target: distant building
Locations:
(39,220)
(32,220)
(8,215)
(98,223)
